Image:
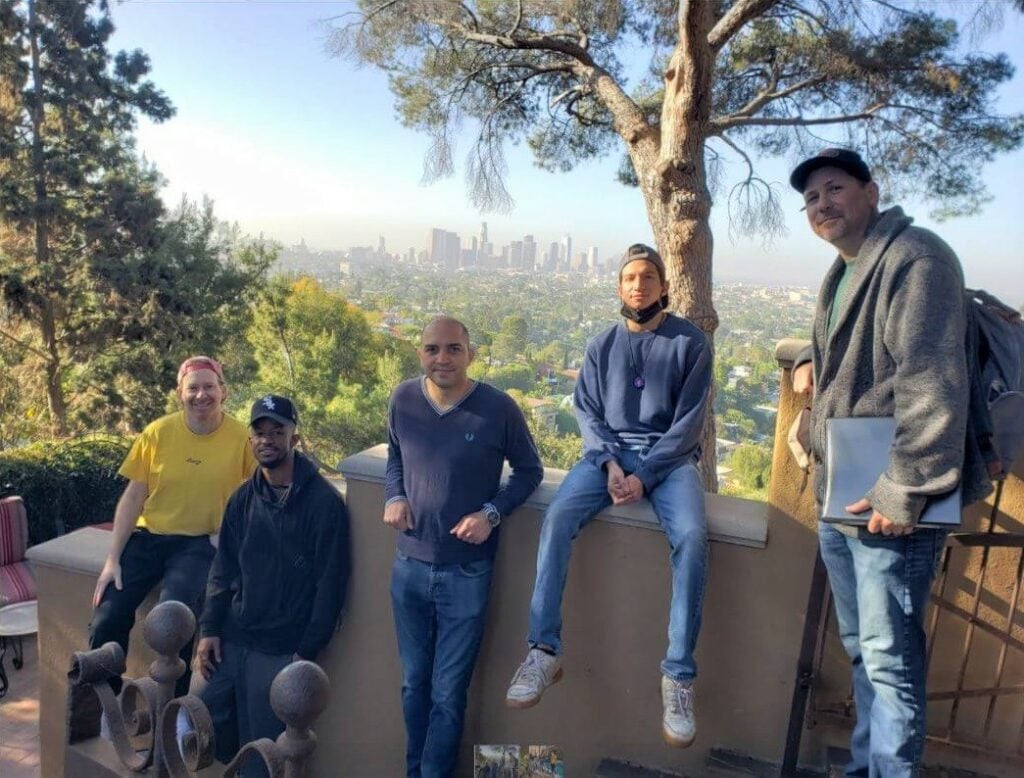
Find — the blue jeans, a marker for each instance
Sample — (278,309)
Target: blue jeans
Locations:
(238,698)
(678,502)
(880,587)
(439,619)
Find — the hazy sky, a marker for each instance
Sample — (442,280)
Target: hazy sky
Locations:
(292,143)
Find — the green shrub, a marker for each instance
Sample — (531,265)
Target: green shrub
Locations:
(66,484)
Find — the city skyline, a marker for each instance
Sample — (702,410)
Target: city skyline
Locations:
(314,151)
(448,249)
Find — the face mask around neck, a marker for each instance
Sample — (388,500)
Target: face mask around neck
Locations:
(644,315)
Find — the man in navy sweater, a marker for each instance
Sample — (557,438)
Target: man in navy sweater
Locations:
(448,439)
(640,401)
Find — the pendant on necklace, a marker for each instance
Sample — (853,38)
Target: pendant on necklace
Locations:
(638,382)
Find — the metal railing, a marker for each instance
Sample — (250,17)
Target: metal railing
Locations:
(147,708)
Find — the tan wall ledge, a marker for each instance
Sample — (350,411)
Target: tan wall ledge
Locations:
(730,519)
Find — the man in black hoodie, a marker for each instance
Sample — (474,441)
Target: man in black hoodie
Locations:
(277,583)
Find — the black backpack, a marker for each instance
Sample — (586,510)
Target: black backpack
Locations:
(995,357)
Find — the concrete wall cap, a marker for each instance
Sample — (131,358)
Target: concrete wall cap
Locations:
(787,349)
(730,519)
(83,550)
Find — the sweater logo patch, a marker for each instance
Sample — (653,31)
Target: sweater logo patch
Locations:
(469,437)
(192,461)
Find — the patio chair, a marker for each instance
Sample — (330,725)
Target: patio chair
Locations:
(17,584)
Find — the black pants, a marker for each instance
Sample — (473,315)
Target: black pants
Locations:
(238,698)
(181,562)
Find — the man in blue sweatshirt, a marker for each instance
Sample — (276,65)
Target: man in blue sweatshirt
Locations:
(277,584)
(448,439)
(640,401)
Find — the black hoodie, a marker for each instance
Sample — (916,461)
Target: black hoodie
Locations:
(278,581)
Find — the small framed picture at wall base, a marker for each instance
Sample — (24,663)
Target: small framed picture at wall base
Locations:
(541,762)
(496,761)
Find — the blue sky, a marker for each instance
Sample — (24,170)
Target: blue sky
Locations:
(292,143)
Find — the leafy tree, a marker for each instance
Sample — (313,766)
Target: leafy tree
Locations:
(561,451)
(566,423)
(511,340)
(314,346)
(104,291)
(747,427)
(73,196)
(729,79)
(555,354)
(752,465)
(511,377)
(722,367)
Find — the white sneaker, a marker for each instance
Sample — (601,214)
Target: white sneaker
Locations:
(537,672)
(678,724)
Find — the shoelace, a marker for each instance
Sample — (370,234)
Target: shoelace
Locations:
(529,672)
(681,699)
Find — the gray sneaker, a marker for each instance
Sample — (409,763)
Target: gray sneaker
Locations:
(678,724)
(537,672)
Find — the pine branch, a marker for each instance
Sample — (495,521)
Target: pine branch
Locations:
(27,347)
(734,20)
(719,126)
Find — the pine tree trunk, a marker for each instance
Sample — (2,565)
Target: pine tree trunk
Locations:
(673,178)
(685,241)
(47,324)
(54,390)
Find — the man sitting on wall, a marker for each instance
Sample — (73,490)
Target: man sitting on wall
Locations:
(278,580)
(640,400)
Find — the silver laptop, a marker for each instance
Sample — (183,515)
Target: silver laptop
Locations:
(857,453)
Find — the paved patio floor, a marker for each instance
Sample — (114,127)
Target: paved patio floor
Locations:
(19,716)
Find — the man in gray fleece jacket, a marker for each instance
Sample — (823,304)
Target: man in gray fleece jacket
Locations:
(888,340)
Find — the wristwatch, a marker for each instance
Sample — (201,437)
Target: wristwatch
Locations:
(493,515)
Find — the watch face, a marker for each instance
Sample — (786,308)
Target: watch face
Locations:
(493,518)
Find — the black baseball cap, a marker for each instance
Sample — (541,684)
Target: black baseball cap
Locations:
(844,159)
(274,406)
(646,253)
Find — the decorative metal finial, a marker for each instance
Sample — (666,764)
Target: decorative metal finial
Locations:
(298,696)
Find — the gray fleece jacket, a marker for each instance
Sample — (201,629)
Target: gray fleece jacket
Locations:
(898,350)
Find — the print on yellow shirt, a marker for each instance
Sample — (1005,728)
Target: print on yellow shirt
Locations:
(190,477)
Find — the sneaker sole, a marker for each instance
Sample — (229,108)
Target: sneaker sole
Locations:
(521,704)
(677,742)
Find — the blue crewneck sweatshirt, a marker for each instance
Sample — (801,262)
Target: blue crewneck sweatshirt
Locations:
(673,362)
(447,464)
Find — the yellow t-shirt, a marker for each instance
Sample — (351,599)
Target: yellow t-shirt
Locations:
(190,477)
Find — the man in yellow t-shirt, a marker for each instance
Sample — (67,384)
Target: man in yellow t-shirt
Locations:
(181,470)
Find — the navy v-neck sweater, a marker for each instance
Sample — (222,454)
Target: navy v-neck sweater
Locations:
(447,464)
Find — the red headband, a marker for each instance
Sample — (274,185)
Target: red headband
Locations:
(193,364)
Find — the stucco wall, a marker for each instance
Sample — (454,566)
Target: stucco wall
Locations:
(615,610)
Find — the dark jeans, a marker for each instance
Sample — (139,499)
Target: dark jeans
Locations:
(238,698)
(439,618)
(181,562)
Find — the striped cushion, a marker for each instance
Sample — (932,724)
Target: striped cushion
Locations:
(13,530)
(17,584)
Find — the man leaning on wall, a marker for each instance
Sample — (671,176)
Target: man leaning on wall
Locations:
(448,438)
(277,584)
(888,341)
